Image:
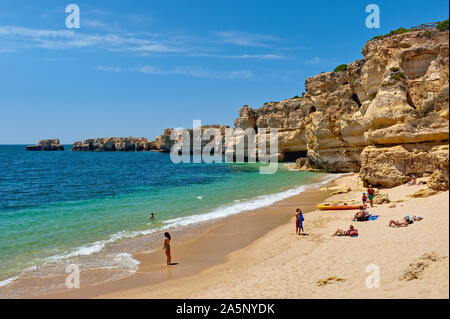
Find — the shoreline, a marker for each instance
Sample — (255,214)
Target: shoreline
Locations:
(256,253)
(281,264)
(198,247)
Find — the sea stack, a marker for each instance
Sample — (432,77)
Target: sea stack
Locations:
(46,145)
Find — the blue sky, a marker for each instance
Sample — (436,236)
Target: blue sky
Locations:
(135,67)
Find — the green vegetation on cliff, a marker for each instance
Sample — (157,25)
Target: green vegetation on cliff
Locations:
(443,25)
(341,67)
(393,32)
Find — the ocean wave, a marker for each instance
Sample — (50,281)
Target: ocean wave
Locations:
(221,212)
(241,206)
(126,260)
(6,282)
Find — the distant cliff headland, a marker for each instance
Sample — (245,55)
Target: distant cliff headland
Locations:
(46,145)
(385,116)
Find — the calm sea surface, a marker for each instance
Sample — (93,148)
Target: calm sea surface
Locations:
(59,206)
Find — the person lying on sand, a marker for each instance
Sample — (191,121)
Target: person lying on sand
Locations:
(405,221)
(412,181)
(351,232)
(362,215)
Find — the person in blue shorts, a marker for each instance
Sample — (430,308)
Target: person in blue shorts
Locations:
(299,221)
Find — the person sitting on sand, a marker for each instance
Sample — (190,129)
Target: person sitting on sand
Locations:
(405,221)
(166,248)
(351,232)
(362,215)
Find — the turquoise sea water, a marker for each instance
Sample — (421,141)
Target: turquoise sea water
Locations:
(61,205)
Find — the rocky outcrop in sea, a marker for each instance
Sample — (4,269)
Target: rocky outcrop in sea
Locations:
(46,145)
(115,144)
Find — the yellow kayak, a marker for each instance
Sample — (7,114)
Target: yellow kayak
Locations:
(339,207)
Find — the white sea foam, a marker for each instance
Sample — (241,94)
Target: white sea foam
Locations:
(238,206)
(6,282)
(125,261)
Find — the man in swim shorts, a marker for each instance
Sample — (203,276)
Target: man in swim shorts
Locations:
(371,193)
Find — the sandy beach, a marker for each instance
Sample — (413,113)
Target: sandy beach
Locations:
(412,261)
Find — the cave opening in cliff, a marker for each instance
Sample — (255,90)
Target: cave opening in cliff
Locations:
(312,109)
(293,156)
(356,99)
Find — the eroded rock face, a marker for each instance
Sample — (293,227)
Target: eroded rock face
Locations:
(395,165)
(165,143)
(46,145)
(115,144)
(162,143)
(353,120)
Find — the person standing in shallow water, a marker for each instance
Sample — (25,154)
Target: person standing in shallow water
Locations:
(166,248)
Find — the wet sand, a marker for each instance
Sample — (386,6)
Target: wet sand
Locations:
(203,247)
(382,262)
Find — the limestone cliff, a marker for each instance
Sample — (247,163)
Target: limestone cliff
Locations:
(46,145)
(162,143)
(386,116)
(111,144)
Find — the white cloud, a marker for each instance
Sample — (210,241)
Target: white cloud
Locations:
(95,24)
(247,39)
(13,37)
(197,72)
(108,68)
(259,56)
(315,61)
(242,56)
